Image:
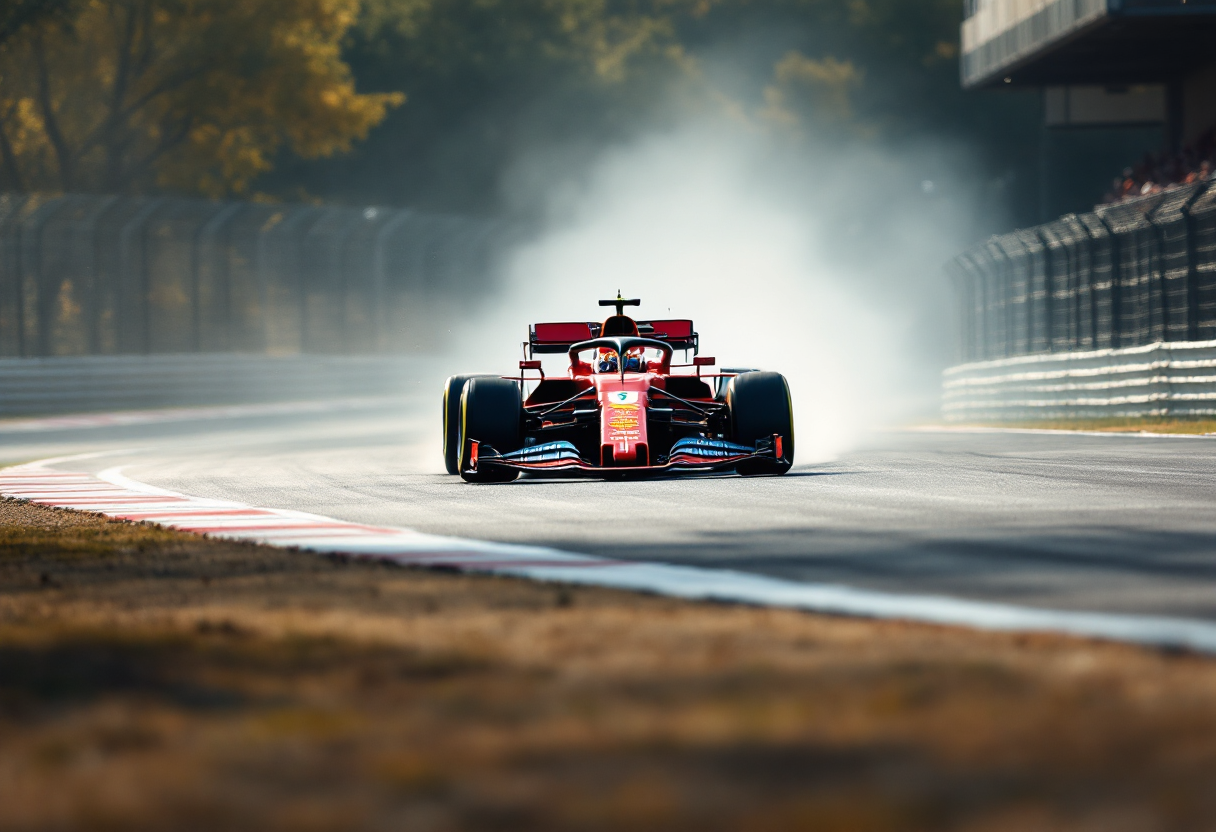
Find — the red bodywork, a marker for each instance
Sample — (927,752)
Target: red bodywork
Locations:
(623,420)
(646,419)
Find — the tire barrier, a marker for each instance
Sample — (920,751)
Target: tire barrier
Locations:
(52,386)
(108,275)
(1125,275)
(1163,379)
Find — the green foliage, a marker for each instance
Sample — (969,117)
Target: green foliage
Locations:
(17,15)
(594,40)
(803,86)
(491,82)
(215,96)
(190,95)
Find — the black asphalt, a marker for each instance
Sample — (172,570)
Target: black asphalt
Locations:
(1110,523)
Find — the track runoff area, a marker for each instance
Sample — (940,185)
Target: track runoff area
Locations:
(1018,509)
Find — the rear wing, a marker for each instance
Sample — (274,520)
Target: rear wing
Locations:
(553,338)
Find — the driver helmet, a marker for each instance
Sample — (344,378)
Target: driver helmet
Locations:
(606,361)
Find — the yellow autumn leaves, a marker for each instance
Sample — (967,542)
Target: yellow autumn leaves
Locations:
(823,86)
(190,95)
(206,96)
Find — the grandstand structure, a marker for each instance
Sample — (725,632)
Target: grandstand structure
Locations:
(1100,62)
(1127,275)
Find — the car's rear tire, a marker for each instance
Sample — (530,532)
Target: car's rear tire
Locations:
(452,390)
(760,406)
(491,411)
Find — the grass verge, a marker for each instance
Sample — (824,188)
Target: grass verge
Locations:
(155,680)
(1139,424)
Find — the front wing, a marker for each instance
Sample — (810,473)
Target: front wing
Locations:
(689,455)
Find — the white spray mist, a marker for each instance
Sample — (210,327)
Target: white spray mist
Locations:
(749,241)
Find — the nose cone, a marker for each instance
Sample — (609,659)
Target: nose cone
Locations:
(623,439)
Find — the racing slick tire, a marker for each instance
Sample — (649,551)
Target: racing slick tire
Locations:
(491,411)
(760,406)
(452,389)
(723,383)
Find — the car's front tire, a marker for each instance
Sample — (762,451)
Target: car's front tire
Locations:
(724,381)
(491,411)
(453,388)
(760,406)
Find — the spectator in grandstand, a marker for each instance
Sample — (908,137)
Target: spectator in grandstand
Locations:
(1159,171)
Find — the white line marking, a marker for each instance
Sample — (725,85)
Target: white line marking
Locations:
(409,547)
(114,477)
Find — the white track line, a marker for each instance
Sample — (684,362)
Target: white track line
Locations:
(114,495)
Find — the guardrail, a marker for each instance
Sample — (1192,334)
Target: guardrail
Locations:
(1124,275)
(47,386)
(1163,379)
(100,275)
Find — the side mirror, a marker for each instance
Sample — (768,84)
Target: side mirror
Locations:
(700,361)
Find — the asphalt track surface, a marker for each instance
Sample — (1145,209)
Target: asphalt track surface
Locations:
(1097,523)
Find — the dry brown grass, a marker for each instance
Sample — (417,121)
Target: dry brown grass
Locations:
(1145,424)
(151,680)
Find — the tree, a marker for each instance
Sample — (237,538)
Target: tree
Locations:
(494,82)
(820,87)
(488,82)
(16,15)
(189,95)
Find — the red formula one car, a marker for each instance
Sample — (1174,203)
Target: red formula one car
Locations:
(620,410)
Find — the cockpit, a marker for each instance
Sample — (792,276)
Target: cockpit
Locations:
(606,361)
(618,345)
(616,326)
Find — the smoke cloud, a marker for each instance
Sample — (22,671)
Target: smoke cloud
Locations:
(820,261)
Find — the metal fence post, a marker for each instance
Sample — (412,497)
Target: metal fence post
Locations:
(1116,288)
(1156,279)
(312,267)
(380,274)
(1004,273)
(11,209)
(132,261)
(203,239)
(291,244)
(148,274)
(32,248)
(1192,267)
(339,277)
(979,306)
(92,315)
(221,251)
(1048,311)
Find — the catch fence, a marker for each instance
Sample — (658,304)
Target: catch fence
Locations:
(109,275)
(1126,275)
